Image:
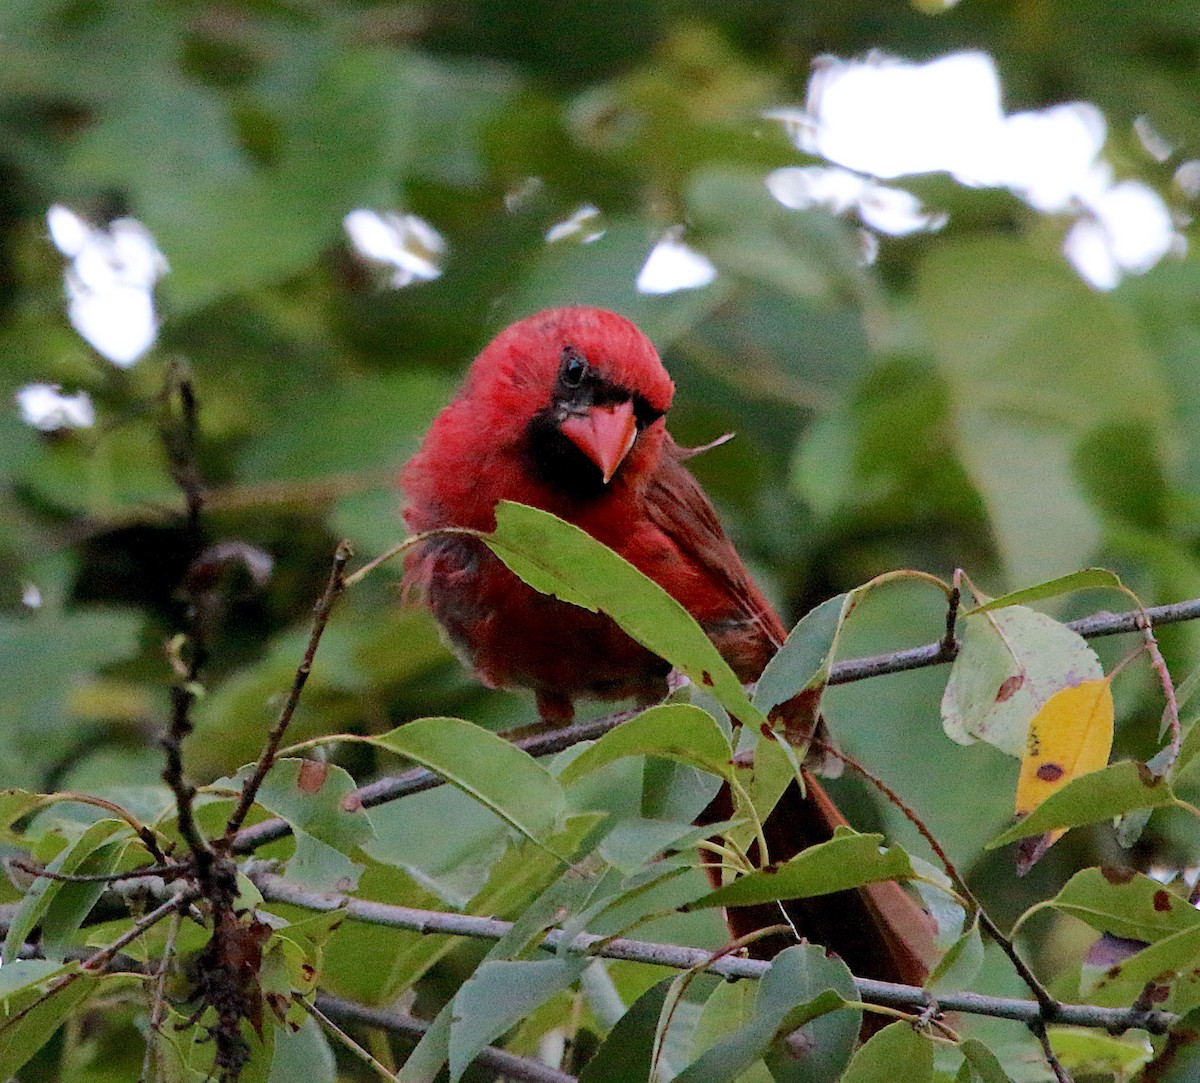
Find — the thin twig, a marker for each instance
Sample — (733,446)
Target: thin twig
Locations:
(333,590)
(509,1065)
(168,871)
(347,1042)
(158,1003)
(277,889)
(1060,1073)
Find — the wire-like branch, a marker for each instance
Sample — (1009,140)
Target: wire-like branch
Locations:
(276,889)
(509,1065)
(333,590)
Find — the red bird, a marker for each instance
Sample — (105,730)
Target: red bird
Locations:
(564,411)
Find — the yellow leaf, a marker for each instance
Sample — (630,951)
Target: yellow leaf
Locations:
(1071,735)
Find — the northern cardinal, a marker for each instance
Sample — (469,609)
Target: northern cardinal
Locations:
(564,411)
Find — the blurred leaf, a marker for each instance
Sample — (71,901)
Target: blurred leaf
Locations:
(1011,661)
(561,559)
(1101,795)
(749,234)
(992,306)
(604,274)
(847,860)
(897,1051)
(35,729)
(492,770)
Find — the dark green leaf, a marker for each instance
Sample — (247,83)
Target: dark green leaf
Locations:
(847,860)
(799,1024)
(561,559)
(674,731)
(806,655)
(624,1055)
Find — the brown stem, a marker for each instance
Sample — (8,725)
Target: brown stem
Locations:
(266,759)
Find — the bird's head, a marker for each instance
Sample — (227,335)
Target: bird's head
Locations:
(582,390)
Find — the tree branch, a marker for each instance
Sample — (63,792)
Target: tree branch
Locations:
(417,780)
(277,889)
(509,1065)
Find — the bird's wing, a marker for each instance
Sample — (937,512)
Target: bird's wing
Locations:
(735,614)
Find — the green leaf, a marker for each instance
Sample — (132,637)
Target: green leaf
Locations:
(327,820)
(896,1052)
(43,892)
(64,916)
(674,731)
(1126,904)
(498,996)
(806,655)
(624,1055)
(959,967)
(490,769)
(984,1065)
(302,1054)
(1085,579)
(1084,1051)
(1010,663)
(1092,798)
(847,860)
(728,1009)
(29,1018)
(1171,963)
(561,559)
(804,990)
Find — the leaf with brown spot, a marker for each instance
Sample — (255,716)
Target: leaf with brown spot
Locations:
(1070,736)
(1008,687)
(312,776)
(1011,662)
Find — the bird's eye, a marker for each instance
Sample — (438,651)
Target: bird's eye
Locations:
(574,367)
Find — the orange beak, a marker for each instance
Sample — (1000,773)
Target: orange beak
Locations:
(604,434)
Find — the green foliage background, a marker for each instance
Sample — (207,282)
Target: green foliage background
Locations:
(966,401)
